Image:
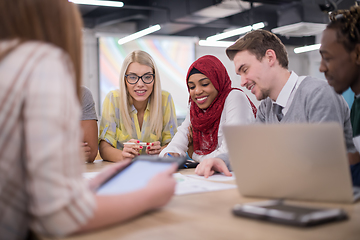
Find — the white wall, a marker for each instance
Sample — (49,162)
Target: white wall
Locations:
(302,64)
(90,64)
(90,55)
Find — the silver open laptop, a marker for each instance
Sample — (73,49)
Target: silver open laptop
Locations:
(291,161)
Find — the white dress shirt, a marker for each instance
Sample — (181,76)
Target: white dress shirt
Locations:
(287,93)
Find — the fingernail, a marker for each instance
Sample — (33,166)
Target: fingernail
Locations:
(148,147)
(147,143)
(140,147)
(152,144)
(138,141)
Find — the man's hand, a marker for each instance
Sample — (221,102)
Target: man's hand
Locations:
(86,149)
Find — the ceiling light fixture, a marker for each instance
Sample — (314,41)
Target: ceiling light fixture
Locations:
(300,29)
(99,3)
(235,32)
(307,48)
(208,43)
(258,25)
(139,34)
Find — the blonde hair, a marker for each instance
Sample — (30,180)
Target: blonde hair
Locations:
(156,115)
(57,22)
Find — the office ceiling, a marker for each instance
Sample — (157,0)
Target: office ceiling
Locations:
(203,18)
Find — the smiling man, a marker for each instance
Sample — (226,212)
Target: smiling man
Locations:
(340,52)
(260,58)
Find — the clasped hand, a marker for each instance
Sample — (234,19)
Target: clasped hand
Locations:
(133,150)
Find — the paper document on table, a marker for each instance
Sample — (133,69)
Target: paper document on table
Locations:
(90,175)
(217,177)
(188,185)
(97,161)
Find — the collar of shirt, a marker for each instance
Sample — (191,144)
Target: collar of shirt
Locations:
(134,111)
(287,92)
(140,133)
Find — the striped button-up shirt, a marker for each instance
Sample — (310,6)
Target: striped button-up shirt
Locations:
(41,185)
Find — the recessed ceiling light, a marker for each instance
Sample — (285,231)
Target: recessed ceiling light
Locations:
(235,32)
(99,3)
(307,48)
(139,34)
(208,43)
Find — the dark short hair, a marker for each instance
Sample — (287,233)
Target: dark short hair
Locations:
(346,23)
(258,42)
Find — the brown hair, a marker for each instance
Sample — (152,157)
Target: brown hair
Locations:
(258,42)
(57,22)
(347,25)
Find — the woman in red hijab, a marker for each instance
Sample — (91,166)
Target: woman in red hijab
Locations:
(213,103)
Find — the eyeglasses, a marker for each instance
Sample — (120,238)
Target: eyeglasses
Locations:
(133,78)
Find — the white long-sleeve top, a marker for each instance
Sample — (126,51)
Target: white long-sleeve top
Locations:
(237,111)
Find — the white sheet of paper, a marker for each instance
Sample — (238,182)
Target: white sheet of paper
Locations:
(217,177)
(188,185)
(95,161)
(90,175)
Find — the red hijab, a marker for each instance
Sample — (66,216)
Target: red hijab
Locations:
(205,124)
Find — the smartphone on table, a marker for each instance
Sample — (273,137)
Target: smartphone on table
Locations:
(279,212)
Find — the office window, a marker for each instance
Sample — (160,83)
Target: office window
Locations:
(172,55)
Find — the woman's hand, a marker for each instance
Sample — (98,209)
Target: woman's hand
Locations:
(162,187)
(131,149)
(153,148)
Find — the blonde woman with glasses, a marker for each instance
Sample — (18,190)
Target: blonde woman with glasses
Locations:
(138,118)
